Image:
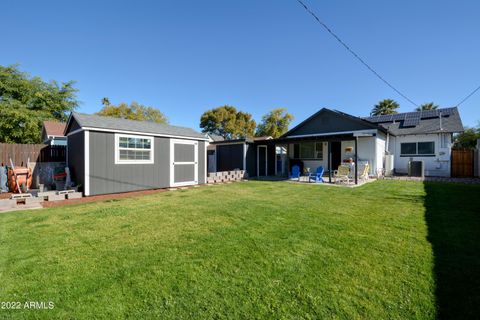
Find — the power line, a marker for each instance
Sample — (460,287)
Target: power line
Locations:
(467,97)
(355,54)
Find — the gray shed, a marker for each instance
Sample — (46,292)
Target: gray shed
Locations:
(110,155)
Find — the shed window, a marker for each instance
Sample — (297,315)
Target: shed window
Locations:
(133,149)
(417,149)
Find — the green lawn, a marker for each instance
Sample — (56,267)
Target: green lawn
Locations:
(386,250)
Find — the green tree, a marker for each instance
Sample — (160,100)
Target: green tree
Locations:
(427,106)
(25,102)
(386,106)
(468,138)
(244,125)
(275,123)
(134,111)
(227,122)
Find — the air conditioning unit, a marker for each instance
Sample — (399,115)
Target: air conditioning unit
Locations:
(416,169)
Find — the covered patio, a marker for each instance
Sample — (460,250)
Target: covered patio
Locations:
(328,140)
(326,151)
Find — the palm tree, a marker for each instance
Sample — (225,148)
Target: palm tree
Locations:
(386,106)
(105,102)
(427,106)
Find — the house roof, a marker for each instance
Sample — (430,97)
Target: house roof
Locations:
(54,128)
(327,121)
(421,122)
(147,127)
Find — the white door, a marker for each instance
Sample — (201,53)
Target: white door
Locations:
(183,162)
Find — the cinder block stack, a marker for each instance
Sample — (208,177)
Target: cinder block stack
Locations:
(226,176)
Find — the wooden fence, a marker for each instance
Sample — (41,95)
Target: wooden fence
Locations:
(462,162)
(20,153)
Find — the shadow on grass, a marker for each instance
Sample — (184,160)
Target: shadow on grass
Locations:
(453,220)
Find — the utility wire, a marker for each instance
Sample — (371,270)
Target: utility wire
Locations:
(355,54)
(467,97)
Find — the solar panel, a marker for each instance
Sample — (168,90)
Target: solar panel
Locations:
(412,122)
(436,113)
(411,119)
(382,118)
(398,117)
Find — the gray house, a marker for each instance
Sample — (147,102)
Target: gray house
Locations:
(109,155)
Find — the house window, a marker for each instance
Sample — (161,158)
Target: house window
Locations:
(426,148)
(417,149)
(308,150)
(296,151)
(133,149)
(319,150)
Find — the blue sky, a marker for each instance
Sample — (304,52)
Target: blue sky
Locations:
(185,57)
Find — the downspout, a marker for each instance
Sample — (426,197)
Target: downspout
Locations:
(387,144)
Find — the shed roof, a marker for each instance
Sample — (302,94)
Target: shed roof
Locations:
(147,127)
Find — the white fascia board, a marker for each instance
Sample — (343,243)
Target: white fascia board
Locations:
(358,132)
(142,133)
(74,132)
(86,187)
(228,143)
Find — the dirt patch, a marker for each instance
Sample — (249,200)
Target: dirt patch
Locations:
(103,197)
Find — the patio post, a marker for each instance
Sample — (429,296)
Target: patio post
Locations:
(356,160)
(329,162)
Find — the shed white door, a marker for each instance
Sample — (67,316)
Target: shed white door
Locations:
(183,162)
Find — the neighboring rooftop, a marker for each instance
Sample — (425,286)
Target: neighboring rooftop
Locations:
(110,123)
(262,138)
(54,128)
(420,122)
(215,137)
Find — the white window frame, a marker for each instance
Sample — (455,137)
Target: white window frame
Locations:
(173,162)
(117,149)
(416,154)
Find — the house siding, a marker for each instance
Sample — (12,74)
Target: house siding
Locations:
(381,141)
(251,160)
(230,157)
(437,165)
(76,157)
(271,159)
(202,162)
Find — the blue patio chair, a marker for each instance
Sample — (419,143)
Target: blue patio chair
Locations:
(317,176)
(295,174)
